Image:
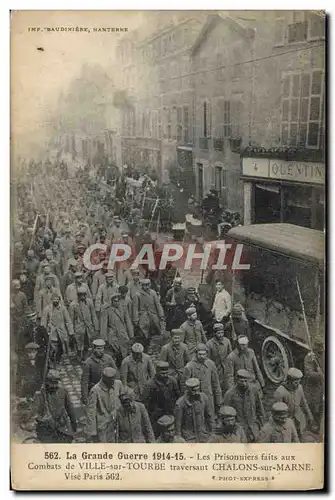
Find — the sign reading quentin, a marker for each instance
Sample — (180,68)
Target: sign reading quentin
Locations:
(305,172)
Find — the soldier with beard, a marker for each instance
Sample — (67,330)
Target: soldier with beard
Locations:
(84,321)
(193,414)
(119,328)
(167,430)
(93,367)
(229,431)
(175,305)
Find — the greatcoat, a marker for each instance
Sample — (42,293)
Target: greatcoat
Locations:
(84,321)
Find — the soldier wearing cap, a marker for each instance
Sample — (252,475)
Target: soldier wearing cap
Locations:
(205,371)
(40,280)
(193,414)
(57,322)
(102,405)
(148,314)
(167,430)
(99,278)
(119,328)
(56,419)
(160,394)
(246,400)
(103,301)
(31,265)
(193,300)
(69,275)
(228,431)
(71,293)
(279,428)
(134,284)
(133,422)
(239,324)
(243,358)
(30,371)
(44,296)
(84,321)
(175,304)
(313,381)
(292,393)
(115,231)
(219,347)
(93,367)
(136,369)
(176,354)
(193,330)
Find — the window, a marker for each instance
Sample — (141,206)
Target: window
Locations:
(236,116)
(221,182)
(200,181)
(298,30)
(179,124)
(237,70)
(279,32)
(316,26)
(302,109)
(205,119)
(226,119)
(169,135)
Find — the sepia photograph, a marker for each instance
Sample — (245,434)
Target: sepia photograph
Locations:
(167,246)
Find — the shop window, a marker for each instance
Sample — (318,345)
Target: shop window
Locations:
(280,31)
(221,183)
(186,124)
(298,205)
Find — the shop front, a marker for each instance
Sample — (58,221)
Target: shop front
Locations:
(278,190)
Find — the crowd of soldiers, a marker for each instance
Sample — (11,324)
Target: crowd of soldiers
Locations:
(201,382)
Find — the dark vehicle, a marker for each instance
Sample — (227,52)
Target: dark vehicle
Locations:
(284,292)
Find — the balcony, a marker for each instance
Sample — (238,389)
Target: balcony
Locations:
(235,144)
(203,142)
(218,144)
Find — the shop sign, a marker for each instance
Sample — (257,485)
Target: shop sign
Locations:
(295,171)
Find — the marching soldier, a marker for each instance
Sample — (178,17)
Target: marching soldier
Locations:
(167,430)
(175,353)
(228,431)
(84,321)
(71,293)
(93,367)
(174,304)
(103,301)
(219,347)
(193,414)
(119,328)
(193,331)
(133,422)
(103,403)
(280,428)
(137,369)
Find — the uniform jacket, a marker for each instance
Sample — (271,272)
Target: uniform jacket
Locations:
(101,409)
(44,298)
(207,374)
(67,280)
(40,284)
(84,319)
(313,380)
(235,436)
(246,361)
(272,432)
(176,356)
(57,322)
(102,304)
(19,303)
(194,334)
(136,374)
(298,408)
(134,426)
(160,397)
(92,371)
(148,312)
(249,408)
(194,419)
(218,352)
(119,328)
(99,278)
(176,297)
(59,405)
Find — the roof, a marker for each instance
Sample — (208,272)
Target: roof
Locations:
(213,20)
(294,241)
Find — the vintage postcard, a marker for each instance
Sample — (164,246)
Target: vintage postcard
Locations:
(167,250)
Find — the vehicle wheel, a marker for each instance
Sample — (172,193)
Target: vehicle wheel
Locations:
(30,440)
(275,359)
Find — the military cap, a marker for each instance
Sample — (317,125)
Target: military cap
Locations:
(78,274)
(110,274)
(99,343)
(202,347)
(115,295)
(81,290)
(116,217)
(31,314)
(177,331)
(192,382)
(135,271)
(44,263)
(279,407)
(295,373)
(227,411)
(53,375)
(32,345)
(48,251)
(72,262)
(166,421)
(190,310)
(162,365)
(137,348)
(125,234)
(242,340)
(145,281)
(191,289)
(243,374)
(127,394)
(48,278)
(218,326)
(238,307)
(55,295)
(30,253)
(177,280)
(109,372)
